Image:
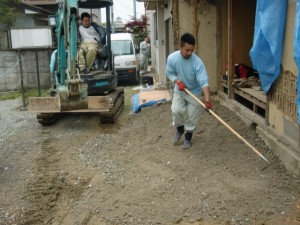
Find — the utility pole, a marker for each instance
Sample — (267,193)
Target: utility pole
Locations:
(112,20)
(134,9)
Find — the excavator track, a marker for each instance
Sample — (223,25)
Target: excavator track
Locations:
(47,119)
(118,105)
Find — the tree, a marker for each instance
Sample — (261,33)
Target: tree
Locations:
(8,12)
(138,27)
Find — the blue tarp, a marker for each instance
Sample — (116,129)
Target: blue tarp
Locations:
(297,51)
(136,107)
(268,38)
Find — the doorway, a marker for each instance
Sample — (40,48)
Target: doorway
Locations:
(239,20)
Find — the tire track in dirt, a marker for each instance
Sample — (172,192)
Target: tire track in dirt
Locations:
(49,185)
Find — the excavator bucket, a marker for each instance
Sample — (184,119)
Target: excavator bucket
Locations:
(44,104)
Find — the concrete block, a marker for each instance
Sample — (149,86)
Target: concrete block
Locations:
(8,59)
(7,75)
(9,53)
(44,63)
(276,118)
(3,87)
(12,59)
(30,77)
(28,57)
(11,66)
(27,68)
(11,75)
(24,69)
(283,147)
(12,84)
(291,129)
(2,71)
(43,55)
(2,63)
(286,153)
(45,83)
(44,70)
(31,86)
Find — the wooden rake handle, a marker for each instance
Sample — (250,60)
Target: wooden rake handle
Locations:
(227,126)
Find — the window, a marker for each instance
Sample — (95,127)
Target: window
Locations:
(122,47)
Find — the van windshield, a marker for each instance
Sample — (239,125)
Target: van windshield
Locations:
(122,47)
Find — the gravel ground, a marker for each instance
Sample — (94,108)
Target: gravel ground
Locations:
(79,171)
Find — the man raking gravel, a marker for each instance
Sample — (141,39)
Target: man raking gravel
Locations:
(187,70)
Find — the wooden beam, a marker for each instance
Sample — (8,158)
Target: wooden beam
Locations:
(259,95)
(299,136)
(195,21)
(250,97)
(267,117)
(175,11)
(230,62)
(219,44)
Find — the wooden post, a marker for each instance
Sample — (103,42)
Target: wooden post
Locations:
(22,78)
(38,72)
(230,63)
(175,23)
(299,138)
(195,21)
(219,44)
(9,39)
(267,111)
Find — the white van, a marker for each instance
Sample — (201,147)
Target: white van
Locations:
(125,57)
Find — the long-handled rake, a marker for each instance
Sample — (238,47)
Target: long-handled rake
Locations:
(227,126)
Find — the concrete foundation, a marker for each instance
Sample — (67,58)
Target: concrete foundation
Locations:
(284,149)
(282,146)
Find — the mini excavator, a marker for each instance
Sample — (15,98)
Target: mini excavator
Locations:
(72,90)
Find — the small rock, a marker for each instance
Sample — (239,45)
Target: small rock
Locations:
(192,220)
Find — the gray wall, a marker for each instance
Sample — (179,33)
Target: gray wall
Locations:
(10,75)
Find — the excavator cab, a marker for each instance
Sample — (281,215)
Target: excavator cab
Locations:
(72,90)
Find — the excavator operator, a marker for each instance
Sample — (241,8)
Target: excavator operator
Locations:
(91,35)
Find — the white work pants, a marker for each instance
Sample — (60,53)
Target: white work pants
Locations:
(183,104)
(144,62)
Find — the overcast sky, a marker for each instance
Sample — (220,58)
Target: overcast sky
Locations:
(124,9)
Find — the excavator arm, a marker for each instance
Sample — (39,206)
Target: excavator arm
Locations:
(74,92)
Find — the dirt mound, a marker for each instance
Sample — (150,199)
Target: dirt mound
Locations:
(155,182)
(81,172)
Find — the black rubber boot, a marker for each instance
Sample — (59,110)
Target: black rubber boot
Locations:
(188,140)
(177,136)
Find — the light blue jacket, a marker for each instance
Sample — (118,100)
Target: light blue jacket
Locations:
(190,71)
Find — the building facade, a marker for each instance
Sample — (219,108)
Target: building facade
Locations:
(225,34)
